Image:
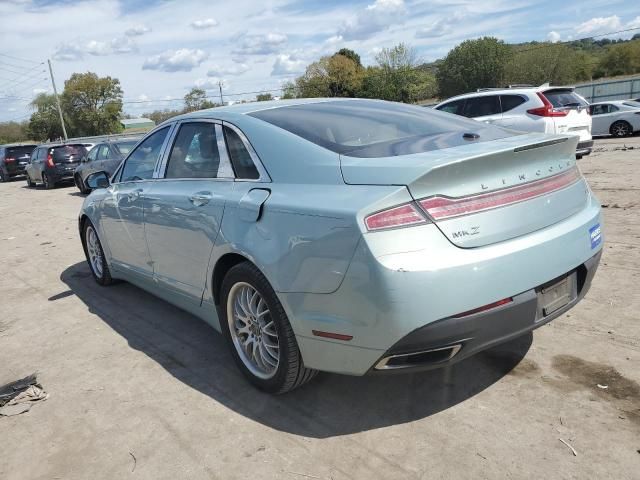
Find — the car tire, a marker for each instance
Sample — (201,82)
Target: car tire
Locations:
(48,184)
(95,255)
(621,129)
(266,332)
(30,183)
(80,184)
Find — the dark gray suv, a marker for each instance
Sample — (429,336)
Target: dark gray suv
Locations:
(13,160)
(54,163)
(104,157)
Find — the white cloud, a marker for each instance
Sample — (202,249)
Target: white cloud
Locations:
(438,28)
(600,25)
(123,45)
(68,52)
(287,65)
(204,24)
(37,91)
(143,98)
(137,31)
(97,48)
(261,44)
(376,17)
(208,83)
(553,37)
(182,60)
(218,71)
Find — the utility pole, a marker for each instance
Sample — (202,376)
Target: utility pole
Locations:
(220,87)
(55,91)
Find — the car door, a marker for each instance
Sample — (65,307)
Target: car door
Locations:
(512,116)
(104,152)
(185,207)
(601,119)
(485,108)
(124,207)
(90,163)
(37,164)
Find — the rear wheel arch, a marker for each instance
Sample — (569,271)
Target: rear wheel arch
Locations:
(223,265)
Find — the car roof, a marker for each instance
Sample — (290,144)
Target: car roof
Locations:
(508,91)
(615,102)
(230,112)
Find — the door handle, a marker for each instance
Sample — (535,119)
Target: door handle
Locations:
(135,194)
(201,198)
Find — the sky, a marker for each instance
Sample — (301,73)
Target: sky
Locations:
(160,49)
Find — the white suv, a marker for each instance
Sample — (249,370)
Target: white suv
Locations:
(530,109)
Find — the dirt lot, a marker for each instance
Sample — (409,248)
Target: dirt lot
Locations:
(139,389)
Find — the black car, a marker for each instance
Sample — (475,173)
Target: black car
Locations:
(13,160)
(54,163)
(104,157)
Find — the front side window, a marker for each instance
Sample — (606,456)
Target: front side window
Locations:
(195,152)
(482,106)
(93,154)
(240,158)
(142,161)
(103,153)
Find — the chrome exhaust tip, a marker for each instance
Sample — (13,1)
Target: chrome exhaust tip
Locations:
(418,359)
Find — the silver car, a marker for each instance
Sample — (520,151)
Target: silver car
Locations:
(350,236)
(619,118)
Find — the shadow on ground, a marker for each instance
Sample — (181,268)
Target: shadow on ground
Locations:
(330,405)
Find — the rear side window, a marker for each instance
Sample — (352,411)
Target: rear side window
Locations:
(564,98)
(142,161)
(453,107)
(104,152)
(240,158)
(68,152)
(195,152)
(482,106)
(509,102)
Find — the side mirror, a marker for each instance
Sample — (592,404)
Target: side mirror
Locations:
(97,180)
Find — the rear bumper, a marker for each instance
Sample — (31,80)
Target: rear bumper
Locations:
(401,292)
(584,148)
(450,340)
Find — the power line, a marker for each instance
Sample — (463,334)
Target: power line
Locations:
(17,58)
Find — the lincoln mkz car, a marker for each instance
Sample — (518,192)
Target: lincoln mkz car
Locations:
(349,236)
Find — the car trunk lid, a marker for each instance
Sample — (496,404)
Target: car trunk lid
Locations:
(487,192)
(577,120)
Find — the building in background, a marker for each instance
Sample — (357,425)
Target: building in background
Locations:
(137,123)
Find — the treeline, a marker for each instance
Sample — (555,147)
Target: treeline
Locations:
(93,105)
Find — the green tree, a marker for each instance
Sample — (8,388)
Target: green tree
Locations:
(263,97)
(289,90)
(334,76)
(45,121)
(620,59)
(398,76)
(473,64)
(92,105)
(159,116)
(347,52)
(547,62)
(11,132)
(196,99)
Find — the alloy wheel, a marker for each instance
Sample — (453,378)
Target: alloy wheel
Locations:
(253,331)
(94,250)
(620,129)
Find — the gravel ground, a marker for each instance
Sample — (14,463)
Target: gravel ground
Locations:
(140,389)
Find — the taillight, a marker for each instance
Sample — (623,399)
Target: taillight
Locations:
(50,162)
(9,160)
(400,216)
(441,208)
(548,110)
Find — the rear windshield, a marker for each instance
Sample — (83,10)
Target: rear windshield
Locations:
(125,147)
(565,98)
(17,152)
(633,104)
(67,151)
(369,128)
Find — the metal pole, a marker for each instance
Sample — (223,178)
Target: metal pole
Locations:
(55,91)
(221,100)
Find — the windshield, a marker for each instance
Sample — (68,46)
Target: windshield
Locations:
(17,152)
(67,151)
(367,128)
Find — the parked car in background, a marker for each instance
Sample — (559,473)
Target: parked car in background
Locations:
(619,118)
(103,157)
(54,163)
(13,160)
(529,109)
(347,235)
